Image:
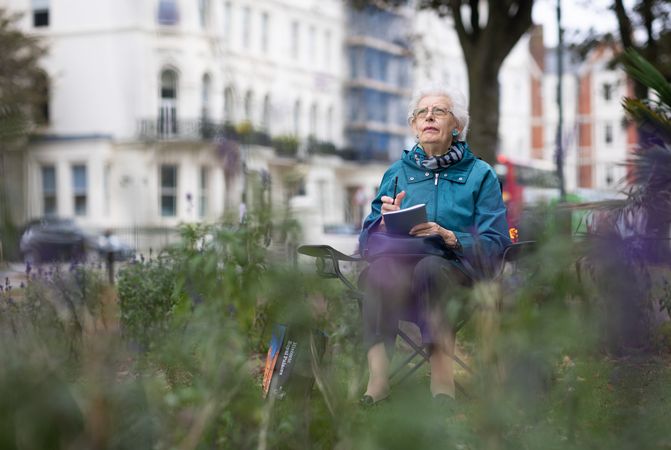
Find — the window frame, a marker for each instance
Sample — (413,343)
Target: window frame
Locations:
(51,194)
(203,191)
(40,12)
(166,191)
(78,192)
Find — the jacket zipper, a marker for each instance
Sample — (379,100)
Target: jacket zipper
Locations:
(435,183)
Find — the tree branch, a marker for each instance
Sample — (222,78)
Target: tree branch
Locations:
(624,24)
(507,29)
(475,19)
(465,38)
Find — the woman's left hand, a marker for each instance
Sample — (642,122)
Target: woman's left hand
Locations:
(429,228)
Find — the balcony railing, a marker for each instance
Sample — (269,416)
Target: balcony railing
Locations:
(196,129)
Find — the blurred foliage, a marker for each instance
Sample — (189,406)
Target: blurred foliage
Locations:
(285,145)
(23,85)
(73,376)
(23,96)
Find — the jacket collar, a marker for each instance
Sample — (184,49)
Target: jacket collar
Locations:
(458,172)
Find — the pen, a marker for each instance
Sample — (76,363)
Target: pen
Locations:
(393,199)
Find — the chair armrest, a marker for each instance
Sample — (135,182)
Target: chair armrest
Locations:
(515,251)
(324,253)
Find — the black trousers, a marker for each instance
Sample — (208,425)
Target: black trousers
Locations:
(428,291)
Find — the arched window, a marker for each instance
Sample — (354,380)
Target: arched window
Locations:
(168,14)
(297,118)
(265,118)
(249,106)
(205,96)
(313,120)
(229,105)
(167,115)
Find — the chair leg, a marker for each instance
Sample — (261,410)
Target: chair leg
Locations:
(421,351)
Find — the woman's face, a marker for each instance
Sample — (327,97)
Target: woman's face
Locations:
(433,122)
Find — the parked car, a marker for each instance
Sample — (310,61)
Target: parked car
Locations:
(51,239)
(110,243)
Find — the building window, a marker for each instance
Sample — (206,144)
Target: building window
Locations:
(40,13)
(205,97)
(607,91)
(229,105)
(312,43)
(79,188)
(297,118)
(327,49)
(41,113)
(204,12)
(265,31)
(168,190)
(265,118)
(228,21)
(329,124)
(203,189)
(49,205)
(249,106)
(294,39)
(608,134)
(246,26)
(313,120)
(168,14)
(106,189)
(167,115)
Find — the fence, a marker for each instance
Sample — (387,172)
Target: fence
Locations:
(144,239)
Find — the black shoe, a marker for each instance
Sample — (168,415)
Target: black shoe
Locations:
(368,401)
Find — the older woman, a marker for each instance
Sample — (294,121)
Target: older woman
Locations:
(464,206)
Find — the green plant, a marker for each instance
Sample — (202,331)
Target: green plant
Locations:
(147,294)
(285,145)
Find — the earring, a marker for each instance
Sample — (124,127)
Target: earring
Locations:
(455,133)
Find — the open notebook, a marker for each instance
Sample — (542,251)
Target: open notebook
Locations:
(402,221)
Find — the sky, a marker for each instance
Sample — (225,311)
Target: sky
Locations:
(578,15)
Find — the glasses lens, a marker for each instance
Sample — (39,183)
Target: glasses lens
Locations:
(421,113)
(439,112)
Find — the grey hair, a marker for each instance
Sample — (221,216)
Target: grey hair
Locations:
(457,99)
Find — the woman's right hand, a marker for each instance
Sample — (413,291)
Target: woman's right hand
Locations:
(391,204)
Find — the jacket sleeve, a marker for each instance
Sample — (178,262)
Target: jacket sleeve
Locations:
(490,236)
(371,222)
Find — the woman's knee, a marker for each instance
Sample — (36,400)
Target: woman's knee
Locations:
(436,269)
(380,272)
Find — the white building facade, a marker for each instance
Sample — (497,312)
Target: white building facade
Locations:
(142,92)
(140,89)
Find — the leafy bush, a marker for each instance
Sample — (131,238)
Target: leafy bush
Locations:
(285,145)
(146,290)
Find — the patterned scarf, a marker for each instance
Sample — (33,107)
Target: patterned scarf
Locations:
(453,156)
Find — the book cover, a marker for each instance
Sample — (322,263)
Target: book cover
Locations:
(276,342)
(402,221)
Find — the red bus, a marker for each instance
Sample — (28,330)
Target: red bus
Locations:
(523,185)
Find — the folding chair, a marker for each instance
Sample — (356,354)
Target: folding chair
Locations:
(328,265)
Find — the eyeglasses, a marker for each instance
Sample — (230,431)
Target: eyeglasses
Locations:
(437,111)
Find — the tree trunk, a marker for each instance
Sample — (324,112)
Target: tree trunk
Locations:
(484,94)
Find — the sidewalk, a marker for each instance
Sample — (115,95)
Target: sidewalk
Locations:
(15,272)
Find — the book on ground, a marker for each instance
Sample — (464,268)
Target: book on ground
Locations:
(402,221)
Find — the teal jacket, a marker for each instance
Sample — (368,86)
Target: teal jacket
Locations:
(464,198)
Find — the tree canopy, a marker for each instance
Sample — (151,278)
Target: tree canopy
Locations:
(23,83)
